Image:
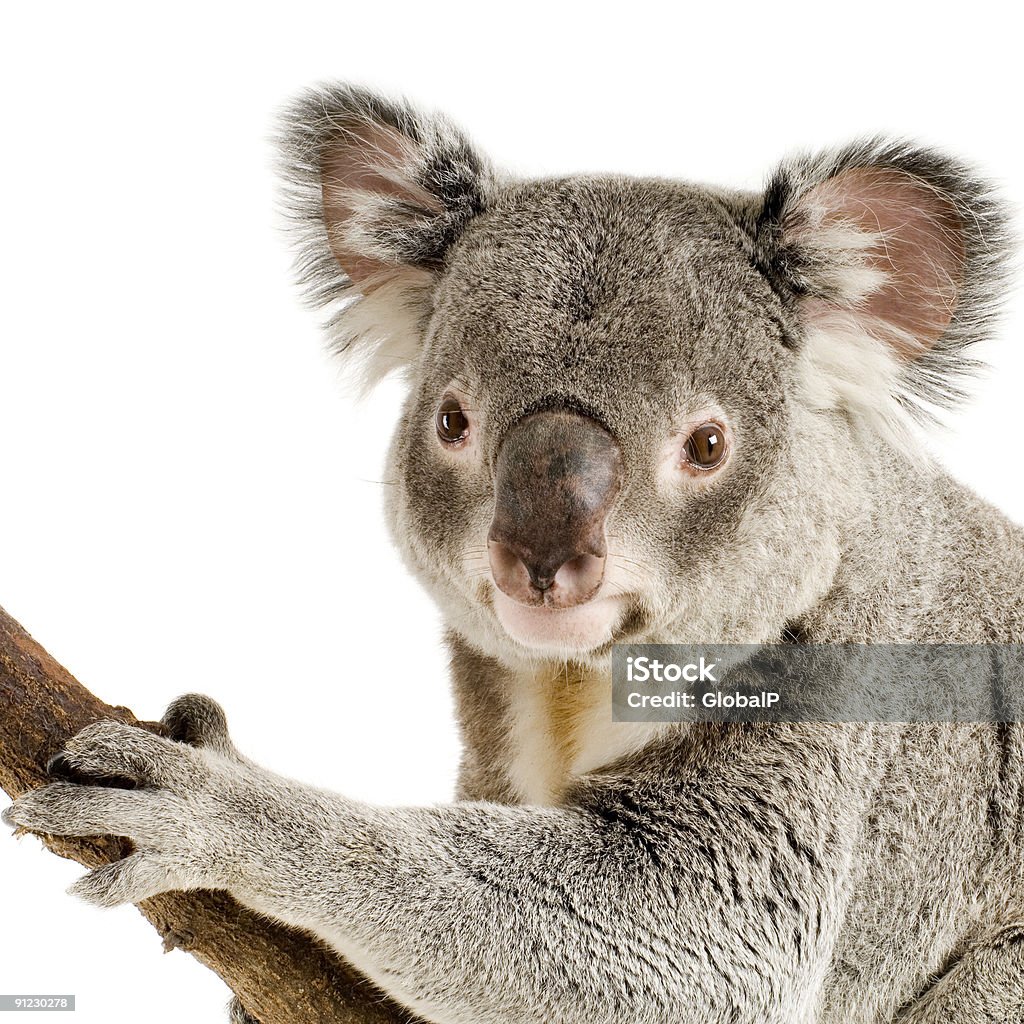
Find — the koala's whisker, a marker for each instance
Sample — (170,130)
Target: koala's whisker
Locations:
(633,570)
(631,561)
(629,567)
(616,590)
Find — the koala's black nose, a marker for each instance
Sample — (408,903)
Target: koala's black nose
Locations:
(556,478)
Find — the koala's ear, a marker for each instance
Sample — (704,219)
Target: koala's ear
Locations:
(376,193)
(894,258)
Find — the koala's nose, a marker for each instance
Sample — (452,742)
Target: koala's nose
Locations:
(556,478)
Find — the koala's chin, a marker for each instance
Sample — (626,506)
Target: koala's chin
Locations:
(577,630)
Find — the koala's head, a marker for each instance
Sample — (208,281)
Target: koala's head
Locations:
(638,409)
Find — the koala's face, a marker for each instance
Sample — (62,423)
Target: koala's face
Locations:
(601,394)
(638,409)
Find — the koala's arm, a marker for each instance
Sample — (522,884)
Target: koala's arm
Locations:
(623,906)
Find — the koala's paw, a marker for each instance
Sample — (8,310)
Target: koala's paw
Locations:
(177,811)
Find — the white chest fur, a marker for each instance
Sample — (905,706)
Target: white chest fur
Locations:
(561,727)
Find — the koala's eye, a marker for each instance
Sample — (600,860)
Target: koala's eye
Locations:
(706,447)
(451,422)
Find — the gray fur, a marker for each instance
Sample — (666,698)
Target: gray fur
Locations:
(853,874)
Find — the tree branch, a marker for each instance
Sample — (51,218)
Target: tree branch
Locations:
(279,975)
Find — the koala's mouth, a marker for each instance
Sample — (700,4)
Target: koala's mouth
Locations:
(542,627)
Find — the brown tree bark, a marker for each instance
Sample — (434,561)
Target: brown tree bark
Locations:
(279,975)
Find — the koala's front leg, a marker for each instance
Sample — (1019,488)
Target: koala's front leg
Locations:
(611,912)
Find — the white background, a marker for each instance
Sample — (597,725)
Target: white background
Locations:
(188,498)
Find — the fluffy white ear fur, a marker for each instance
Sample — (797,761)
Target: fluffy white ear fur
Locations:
(382,328)
(889,255)
(374,192)
(846,365)
(893,258)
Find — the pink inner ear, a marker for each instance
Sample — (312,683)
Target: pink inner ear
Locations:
(920,250)
(369,163)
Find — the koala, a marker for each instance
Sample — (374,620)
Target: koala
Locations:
(638,410)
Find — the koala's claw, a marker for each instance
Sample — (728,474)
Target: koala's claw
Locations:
(61,767)
(238,1014)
